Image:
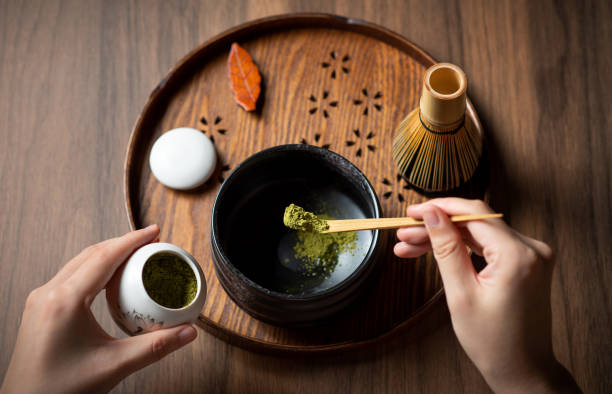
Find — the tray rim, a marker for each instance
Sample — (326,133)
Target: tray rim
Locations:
(269,23)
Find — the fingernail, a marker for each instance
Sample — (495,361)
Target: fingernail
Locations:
(402,246)
(153,228)
(430,217)
(186,335)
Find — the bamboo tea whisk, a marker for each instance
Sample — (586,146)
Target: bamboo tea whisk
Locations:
(437,147)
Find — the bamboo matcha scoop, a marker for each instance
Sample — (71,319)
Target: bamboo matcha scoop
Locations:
(337,226)
(298,219)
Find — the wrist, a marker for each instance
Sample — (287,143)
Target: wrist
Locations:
(551,377)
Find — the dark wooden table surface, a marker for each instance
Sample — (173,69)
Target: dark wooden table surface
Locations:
(74,75)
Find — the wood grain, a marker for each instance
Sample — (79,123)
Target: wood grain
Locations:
(75,74)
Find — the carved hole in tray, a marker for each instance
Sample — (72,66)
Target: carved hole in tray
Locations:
(219,174)
(215,127)
(395,188)
(363,142)
(224,169)
(368,101)
(337,64)
(324,104)
(318,141)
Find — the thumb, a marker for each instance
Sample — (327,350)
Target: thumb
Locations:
(137,352)
(458,273)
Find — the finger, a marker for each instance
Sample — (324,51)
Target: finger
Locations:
(493,238)
(71,266)
(137,352)
(413,235)
(419,234)
(405,250)
(452,206)
(540,247)
(456,269)
(91,277)
(484,232)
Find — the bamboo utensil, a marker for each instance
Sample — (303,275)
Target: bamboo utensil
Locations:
(337,226)
(437,147)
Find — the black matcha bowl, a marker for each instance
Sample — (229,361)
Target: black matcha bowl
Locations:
(253,251)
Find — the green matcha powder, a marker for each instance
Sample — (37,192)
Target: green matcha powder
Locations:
(298,218)
(169,280)
(318,251)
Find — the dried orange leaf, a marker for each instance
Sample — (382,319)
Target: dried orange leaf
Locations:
(244,77)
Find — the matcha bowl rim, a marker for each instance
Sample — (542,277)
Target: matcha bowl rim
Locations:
(250,295)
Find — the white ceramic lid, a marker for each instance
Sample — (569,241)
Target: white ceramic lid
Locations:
(183,158)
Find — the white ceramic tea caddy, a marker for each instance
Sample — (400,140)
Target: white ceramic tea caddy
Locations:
(130,305)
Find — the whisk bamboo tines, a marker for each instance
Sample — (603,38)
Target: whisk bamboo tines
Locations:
(437,147)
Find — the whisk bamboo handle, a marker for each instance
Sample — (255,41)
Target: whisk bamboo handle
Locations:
(337,226)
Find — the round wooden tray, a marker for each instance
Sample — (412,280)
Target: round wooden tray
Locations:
(328,81)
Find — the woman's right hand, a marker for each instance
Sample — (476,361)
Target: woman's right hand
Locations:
(501,315)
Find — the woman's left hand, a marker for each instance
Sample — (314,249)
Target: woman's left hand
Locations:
(60,345)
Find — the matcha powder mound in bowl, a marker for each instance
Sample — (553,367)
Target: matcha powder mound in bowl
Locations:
(169,280)
(319,251)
